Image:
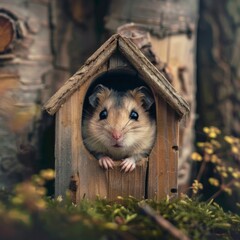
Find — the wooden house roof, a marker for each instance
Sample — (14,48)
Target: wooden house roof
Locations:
(129,50)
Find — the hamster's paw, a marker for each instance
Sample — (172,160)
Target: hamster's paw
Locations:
(106,162)
(128,165)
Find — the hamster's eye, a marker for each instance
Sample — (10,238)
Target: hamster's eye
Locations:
(133,115)
(103,114)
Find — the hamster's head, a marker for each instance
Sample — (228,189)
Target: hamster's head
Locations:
(120,124)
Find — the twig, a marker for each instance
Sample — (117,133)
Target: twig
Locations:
(163,223)
(216,194)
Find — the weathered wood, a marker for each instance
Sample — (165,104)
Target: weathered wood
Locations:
(117,61)
(73,162)
(173,150)
(158,182)
(152,76)
(127,184)
(63,150)
(163,160)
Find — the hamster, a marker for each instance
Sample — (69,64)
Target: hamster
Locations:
(119,127)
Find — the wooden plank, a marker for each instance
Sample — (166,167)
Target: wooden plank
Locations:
(85,73)
(74,165)
(158,182)
(117,61)
(152,76)
(92,180)
(173,147)
(63,148)
(127,184)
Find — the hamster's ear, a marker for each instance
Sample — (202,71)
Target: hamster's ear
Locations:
(99,94)
(144,95)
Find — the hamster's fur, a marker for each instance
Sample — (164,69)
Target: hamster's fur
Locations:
(119,127)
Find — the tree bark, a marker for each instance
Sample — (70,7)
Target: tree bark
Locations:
(218,61)
(219,76)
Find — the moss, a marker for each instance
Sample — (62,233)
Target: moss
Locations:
(124,219)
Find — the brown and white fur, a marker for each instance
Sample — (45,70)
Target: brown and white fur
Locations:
(120,127)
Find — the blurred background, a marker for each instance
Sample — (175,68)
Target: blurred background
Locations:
(195,44)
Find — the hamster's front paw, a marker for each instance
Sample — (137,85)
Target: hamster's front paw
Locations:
(128,165)
(106,162)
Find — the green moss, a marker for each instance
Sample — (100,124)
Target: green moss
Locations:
(123,219)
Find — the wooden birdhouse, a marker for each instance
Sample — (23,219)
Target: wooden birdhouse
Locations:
(118,64)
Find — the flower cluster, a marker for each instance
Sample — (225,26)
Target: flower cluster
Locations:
(222,154)
(27,198)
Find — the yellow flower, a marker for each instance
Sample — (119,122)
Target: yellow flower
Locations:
(235,149)
(196,157)
(215,143)
(236,175)
(41,191)
(196,186)
(40,204)
(15,214)
(201,144)
(229,139)
(206,130)
(224,174)
(59,198)
(227,190)
(213,181)
(212,132)
(237,184)
(209,150)
(18,200)
(48,174)
(215,159)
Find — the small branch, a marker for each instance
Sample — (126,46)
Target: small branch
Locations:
(163,223)
(202,168)
(216,194)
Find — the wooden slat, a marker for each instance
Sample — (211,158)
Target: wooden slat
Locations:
(73,162)
(118,61)
(172,128)
(158,162)
(127,184)
(63,148)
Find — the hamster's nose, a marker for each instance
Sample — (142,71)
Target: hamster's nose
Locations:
(116,134)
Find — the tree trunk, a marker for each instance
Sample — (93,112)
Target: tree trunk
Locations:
(218,75)
(26,57)
(219,64)
(42,43)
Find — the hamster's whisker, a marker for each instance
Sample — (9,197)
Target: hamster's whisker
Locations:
(126,125)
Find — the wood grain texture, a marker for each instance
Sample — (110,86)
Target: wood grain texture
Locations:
(90,179)
(149,73)
(162,175)
(63,150)
(73,161)
(127,184)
